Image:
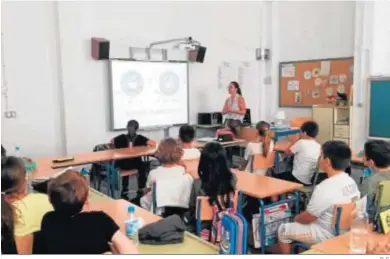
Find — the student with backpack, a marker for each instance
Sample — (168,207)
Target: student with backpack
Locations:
(217,182)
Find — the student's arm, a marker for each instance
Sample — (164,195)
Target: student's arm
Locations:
(122,244)
(151,143)
(293,148)
(226,108)
(24,244)
(318,204)
(305,218)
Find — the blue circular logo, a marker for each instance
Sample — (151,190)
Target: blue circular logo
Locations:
(169,83)
(132,83)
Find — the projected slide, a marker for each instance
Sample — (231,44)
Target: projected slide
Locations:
(153,93)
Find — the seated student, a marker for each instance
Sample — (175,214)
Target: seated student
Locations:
(132,139)
(215,179)
(169,153)
(263,145)
(22,212)
(377,157)
(70,230)
(306,151)
(315,224)
(187,136)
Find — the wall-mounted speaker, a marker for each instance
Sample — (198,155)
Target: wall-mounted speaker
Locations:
(100,48)
(198,54)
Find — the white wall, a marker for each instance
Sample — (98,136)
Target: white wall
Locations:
(304,30)
(230,30)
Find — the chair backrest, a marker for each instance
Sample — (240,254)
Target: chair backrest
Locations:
(261,162)
(383,195)
(342,217)
(204,211)
(247,133)
(297,122)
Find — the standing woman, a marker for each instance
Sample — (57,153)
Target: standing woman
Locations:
(235,107)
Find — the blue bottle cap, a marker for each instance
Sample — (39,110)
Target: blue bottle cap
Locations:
(17,148)
(131,209)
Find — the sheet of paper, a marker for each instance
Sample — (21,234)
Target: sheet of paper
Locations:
(226,74)
(247,74)
(293,85)
(325,68)
(288,70)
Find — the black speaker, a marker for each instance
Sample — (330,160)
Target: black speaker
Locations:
(210,118)
(247,117)
(198,54)
(100,48)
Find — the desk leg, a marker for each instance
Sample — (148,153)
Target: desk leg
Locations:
(262,232)
(276,162)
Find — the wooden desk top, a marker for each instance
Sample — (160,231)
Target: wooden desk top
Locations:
(117,210)
(236,141)
(336,245)
(356,158)
(260,186)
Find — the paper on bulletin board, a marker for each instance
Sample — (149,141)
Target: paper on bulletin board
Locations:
(293,85)
(227,72)
(246,73)
(325,68)
(288,70)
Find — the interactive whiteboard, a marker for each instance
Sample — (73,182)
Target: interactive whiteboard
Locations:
(153,93)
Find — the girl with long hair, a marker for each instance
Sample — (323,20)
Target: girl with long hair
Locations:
(263,145)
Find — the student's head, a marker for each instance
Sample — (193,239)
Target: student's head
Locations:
(169,151)
(186,134)
(132,127)
(234,88)
(263,129)
(309,129)
(377,154)
(13,186)
(3,152)
(336,156)
(68,193)
(214,172)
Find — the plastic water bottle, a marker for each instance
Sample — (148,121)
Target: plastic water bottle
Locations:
(18,152)
(132,225)
(359,233)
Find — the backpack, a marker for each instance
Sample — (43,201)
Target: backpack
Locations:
(228,229)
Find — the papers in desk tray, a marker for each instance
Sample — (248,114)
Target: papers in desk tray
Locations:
(206,139)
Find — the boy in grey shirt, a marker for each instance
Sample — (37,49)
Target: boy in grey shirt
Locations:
(377,157)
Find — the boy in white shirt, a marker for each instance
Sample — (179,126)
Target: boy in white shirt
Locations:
(187,136)
(315,224)
(306,151)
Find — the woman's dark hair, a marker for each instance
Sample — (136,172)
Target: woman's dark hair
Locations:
(263,128)
(13,178)
(237,86)
(68,192)
(215,175)
(169,151)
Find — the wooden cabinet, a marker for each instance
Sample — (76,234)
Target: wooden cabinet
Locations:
(334,122)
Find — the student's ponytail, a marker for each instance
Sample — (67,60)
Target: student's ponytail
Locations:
(237,86)
(7,219)
(267,141)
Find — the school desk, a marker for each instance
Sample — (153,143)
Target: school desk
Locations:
(117,210)
(311,252)
(336,245)
(261,187)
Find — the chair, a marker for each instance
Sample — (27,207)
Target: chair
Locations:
(204,211)
(259,162)
(115,178)
(341,222)
(308,190)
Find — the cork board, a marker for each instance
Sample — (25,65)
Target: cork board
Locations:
(312,82)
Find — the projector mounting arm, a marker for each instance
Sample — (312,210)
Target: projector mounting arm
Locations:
(186,40)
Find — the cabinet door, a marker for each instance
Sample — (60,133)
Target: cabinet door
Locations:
(324,117)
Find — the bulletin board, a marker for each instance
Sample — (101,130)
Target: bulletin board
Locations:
(306,83)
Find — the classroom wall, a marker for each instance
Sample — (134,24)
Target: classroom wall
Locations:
(55,68)
(304,30)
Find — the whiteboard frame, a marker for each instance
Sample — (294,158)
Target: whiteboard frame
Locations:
(111,102)
(369,81)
